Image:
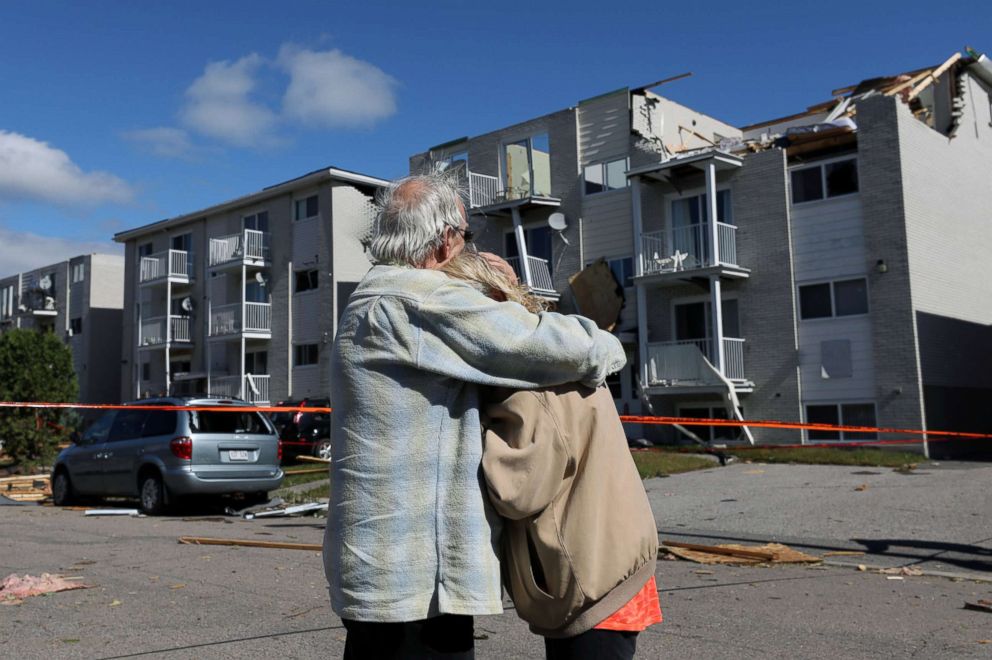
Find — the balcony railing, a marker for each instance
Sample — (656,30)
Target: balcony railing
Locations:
(540,274)
(484,190)
(248,246)
(252,388)
(172,264)
(687,248)
(684,362)
(226,319)
(152,330)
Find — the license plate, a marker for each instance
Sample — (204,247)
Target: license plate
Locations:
(238,454)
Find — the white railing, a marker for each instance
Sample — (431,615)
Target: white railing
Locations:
(681,362)
(484,189)
(226,319)
(249,245)
(180,329)
(540,274)
(255,390)
(258,317)
(152,331)
(687,248)
(171,263)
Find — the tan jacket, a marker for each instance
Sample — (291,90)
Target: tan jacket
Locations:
(580,538)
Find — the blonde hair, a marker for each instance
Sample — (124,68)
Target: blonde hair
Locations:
(473,268)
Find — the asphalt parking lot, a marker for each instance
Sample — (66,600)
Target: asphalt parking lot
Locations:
(152,597)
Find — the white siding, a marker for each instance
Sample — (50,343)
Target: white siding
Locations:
(306,242)
(604,128)
(828,239)
(861,384)
(306,319)
(606,225)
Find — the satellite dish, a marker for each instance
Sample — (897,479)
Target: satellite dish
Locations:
(261,279)
(45,284)
(557,222)
(187,304)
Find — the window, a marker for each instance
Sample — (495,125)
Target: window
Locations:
(257,363)
(306,280)
(831,179)
(159,422)
(603,177)
(538,240)
(305,354)
(843,414)
(210,421)
(76,326)
(78,273)
(127,425)
(145,250)
(527,167)
(146,371)
(710,433)
(840,298)
(622,269)
(7,302)
(180,367)
(304,209)
(257,221)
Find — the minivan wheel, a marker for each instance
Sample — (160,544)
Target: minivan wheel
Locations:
(323,449)
(152,495)
(62,494)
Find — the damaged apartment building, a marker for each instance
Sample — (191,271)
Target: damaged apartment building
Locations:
(78,300)
(822,267)
(241,299)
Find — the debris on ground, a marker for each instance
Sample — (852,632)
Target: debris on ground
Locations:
(901,570)
(844,553)
(861,488)
(312,459)
(906,468)
(981,606)
(287,511)
(316,470)
(14,588)
(739,555)
(26,488)
(200,540)
(112,512)
(274,502)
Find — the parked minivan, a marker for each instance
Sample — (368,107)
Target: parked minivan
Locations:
(160,455)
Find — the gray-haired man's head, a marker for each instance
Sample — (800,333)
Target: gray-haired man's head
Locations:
(421,222)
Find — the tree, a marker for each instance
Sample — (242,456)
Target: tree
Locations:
(34,366)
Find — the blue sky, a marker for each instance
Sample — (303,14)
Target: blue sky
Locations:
(117,114)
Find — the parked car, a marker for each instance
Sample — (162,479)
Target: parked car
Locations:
(159,455)
(304,432)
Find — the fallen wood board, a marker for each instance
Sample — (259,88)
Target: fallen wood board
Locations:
(24,477)
(306,471)
(112,512)
(980,606)
(734,554)
(200,540)
(844,553)
(312,459)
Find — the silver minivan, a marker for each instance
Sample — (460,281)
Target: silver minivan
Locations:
(161,455)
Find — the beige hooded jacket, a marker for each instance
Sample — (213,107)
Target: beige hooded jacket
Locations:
(580,538)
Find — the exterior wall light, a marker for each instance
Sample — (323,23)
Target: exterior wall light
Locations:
(881,266)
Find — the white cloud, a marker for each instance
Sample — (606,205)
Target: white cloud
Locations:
(331,89)
(163,141)
(32,170)
(218,105)
(21,250)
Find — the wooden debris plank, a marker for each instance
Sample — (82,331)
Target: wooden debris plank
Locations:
(312,459)
(306,471)
(717,550)
(909,83)
(200,540)
(936,73)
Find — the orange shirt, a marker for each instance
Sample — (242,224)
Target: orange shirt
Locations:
(642,611)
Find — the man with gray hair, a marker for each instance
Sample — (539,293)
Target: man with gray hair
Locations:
(410,549)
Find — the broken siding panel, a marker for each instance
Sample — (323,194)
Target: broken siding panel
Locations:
(607,225)
(828,239)
(861,384)
(604,128)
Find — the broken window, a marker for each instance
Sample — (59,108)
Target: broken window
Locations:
(825,180)
(306,280)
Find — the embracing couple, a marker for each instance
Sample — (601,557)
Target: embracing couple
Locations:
(472,440)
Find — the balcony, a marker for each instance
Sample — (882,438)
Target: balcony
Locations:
(226,320)
(250,247)
(540,275)
(489,192)
(685,253)
(252,388)
(152,332)
(169,266)
(689,365)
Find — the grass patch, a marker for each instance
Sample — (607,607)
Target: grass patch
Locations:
(831,456)
(661,463)
(296,479)
(315,494)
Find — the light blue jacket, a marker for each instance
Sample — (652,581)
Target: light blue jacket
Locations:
(410,532)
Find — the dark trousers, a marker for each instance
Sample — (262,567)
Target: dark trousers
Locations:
(447,637)
(593,645)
